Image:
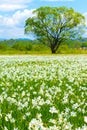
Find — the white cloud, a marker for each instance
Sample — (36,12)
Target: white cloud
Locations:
(17,18)
(85,14)
(10,5)
(14,1)
(14,32)
(13,26)
(57,0)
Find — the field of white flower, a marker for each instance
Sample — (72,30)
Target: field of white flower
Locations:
(43,92)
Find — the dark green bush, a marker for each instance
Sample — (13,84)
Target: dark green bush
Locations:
(3,46)
(22,46)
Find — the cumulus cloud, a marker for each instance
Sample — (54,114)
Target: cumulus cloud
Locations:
(15,1)
(85,14)
(57,0)
(14,32)
(13,26)
(10,5)
(17,18)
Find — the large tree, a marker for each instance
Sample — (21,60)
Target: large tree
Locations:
(54,25)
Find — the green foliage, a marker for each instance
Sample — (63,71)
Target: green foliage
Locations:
(54,25)
(63,48)
(73,43)
(37,47)
(84,44)
(3,46)
(22,46)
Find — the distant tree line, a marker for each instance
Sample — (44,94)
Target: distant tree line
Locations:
(21,45)
(35,45)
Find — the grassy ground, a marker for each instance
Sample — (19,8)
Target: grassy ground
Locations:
(47,51)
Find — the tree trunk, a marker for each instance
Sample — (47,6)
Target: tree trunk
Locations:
(53,51)
(53,48)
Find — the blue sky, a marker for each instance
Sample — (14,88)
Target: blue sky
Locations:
(13,14)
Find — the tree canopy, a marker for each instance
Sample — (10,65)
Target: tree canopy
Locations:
(54,25)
